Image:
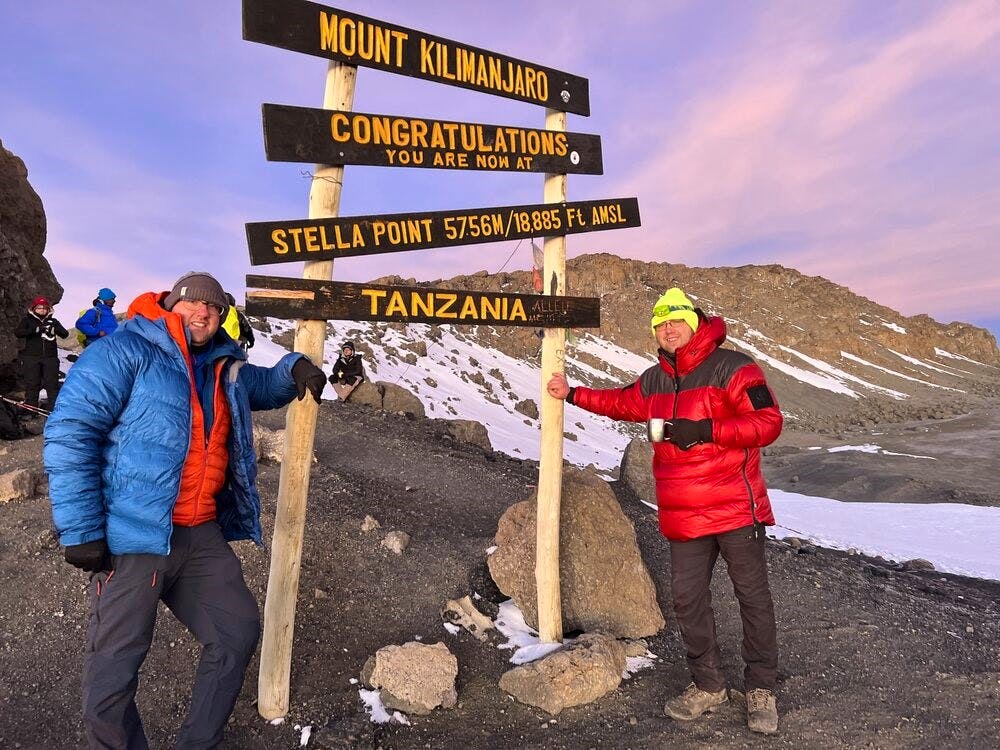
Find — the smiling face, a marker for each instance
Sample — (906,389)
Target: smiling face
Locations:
(671,335)
(200,318)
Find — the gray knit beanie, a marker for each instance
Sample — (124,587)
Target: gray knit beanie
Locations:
(199,286)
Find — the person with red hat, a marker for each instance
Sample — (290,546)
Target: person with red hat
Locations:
(39,354)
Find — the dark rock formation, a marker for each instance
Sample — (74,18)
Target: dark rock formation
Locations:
(24,272)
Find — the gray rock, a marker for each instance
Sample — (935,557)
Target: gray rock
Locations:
(370,524)
(17,485)
(414,678)
(367,394)
(470,431)
(918,563)
(395,398)
(637,469)
(396,541)
(269,445)
(419,348)
(527,407)
(604,582)
(579,673)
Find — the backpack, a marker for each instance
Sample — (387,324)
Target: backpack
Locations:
(82,337)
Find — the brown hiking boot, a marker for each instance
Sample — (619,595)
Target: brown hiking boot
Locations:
(762,713)
(693,702)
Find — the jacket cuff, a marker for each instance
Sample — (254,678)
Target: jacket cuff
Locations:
(571,394)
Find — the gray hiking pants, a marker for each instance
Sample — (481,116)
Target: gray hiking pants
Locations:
(201,581)
(691,564)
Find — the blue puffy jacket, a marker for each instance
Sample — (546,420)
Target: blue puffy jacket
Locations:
(99,318)
(117,440)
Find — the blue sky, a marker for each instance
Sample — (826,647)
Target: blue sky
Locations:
(853,140)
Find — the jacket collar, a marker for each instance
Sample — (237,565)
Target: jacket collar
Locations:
(710,335)
(147,316)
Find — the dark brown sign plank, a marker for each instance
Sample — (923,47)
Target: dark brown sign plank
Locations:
(350,236)
(335,34)
(323,136)
(308,299)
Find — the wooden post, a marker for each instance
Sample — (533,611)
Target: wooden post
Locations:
(300,429)
(550,462)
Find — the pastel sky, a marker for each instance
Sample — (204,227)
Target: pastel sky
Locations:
(859,141)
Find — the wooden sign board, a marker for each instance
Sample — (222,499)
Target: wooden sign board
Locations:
(307,299)
(350,236)
(334,34)
(323,136)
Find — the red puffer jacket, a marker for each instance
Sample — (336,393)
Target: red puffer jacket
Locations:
(713,487)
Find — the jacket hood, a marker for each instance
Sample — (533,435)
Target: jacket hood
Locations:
(710,336)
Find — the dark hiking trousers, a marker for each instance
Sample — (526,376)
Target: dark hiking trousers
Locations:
(691,565)
(201,581)
(38,373)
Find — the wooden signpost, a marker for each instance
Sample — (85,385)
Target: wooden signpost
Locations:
(280,297)
(348,236)
(319,135)
(335,136)
(319,30)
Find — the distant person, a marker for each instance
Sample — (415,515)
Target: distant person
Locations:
(348,371)
(40,354)
(99,320)
(152,472)
(237,325)
(709,412)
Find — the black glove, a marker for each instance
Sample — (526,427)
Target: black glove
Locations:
(308,376)
(90,556)
(687,433)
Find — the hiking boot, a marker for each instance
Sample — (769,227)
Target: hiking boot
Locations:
(693,702)
(762,713)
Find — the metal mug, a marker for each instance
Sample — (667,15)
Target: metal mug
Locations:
(656,429)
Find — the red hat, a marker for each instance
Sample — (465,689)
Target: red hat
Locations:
(40,301)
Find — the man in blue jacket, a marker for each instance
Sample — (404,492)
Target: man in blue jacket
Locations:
(152,472)
(99,321)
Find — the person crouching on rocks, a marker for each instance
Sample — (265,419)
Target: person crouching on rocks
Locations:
(348,371)
(40,355)
(709,411)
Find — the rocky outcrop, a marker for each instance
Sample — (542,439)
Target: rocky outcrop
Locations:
(26,273)
(387,397)
(414,678)
(588,668)
(604,583)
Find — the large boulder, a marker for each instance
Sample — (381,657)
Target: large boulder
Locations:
(414,678)
(366,394)
(637,470)
(26,273)
(17,485)
(395,398)
(588,668)
(604,583)
(470,431)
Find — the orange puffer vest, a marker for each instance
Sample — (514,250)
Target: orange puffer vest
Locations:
(204,472)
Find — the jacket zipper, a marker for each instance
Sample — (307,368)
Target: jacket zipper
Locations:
(746,481)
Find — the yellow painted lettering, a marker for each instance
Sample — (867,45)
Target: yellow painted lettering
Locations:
(448,299)
(469,308)
(396,304)
(338,127)
(517,311)
(375,295)
(278,238)
(422,305)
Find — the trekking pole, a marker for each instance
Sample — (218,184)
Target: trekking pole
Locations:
(27,407)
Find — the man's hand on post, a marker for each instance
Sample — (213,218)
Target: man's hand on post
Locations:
(557,386)
(89,556)
(308,376)
(687,433)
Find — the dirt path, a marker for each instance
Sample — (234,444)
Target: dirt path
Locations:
(870,657)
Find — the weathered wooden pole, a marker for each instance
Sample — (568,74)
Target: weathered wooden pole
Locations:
(550,462)
(300,429)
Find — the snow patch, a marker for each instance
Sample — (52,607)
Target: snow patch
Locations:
(894,327)
(521,637)
(866,363)
(377,711)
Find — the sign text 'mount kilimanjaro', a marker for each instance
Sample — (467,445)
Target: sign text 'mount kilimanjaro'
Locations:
(314,29)
(347,236)
(310,299)
(323,136)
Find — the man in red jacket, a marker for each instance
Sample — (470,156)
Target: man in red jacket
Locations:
(709,412)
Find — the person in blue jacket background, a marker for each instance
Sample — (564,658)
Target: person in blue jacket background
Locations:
(99,321)
(152,471)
